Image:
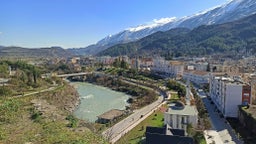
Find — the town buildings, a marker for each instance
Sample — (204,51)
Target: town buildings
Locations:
(227,93)
(199,78)
(167,68)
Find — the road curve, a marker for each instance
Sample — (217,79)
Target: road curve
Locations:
(115,132)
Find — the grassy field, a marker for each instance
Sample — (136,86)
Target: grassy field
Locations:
(136,134)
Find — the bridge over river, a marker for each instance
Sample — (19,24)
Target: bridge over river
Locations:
(73,74)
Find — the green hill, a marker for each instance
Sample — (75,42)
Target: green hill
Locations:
(19,52)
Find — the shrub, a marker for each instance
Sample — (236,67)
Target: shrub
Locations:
(72,121)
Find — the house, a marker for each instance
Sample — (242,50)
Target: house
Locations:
(166,135)
(110,116)
(179,115)
(227,93)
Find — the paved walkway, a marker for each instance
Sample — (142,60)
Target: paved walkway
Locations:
(36,92)
(212,136)
(221,131)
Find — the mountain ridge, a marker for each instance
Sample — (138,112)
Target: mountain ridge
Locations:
(232,38)
(230,11)
(14,51)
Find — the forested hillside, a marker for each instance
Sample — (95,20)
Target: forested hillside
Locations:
(237,37)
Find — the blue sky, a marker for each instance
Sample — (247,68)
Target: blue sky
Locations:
(79,23)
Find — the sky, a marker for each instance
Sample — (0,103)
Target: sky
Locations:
(79,23)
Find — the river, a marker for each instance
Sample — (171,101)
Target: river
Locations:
(96,100)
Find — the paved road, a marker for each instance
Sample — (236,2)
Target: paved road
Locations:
(221,131)
(114,133)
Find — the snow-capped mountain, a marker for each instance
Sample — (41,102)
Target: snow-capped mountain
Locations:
(230,11)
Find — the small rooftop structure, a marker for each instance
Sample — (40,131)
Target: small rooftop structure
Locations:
(181,109)
(110,116)
(178,116)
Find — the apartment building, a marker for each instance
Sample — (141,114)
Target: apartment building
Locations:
(167,68)
(199,78)
(227,93)
(106,60)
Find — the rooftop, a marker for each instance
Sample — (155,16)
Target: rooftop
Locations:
(201,73)
(229,80)
(187,110)
(155,135)
(176,62)
(111,114)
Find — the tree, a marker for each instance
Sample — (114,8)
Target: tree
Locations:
(173,85)
(3,70)
(124,64)
(208,68)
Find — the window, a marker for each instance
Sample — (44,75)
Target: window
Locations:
(246,94)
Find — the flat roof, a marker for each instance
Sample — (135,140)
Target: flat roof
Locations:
(187,110)
(111,114)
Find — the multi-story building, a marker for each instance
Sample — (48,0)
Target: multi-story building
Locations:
(201,66)
(146,63)
(227,93)
(167,68)
(200,78)
(106,60)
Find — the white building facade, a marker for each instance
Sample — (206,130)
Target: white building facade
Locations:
(197,77)
(167,68)
(227,94)
(180,118)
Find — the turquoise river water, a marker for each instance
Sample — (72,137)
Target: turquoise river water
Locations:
(95,100)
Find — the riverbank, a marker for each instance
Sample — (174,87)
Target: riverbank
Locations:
(66,99)
(44,118)
(140,96)
(96,100)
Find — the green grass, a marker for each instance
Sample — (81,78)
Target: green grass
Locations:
(174,97)
(137,133)
(199,138)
